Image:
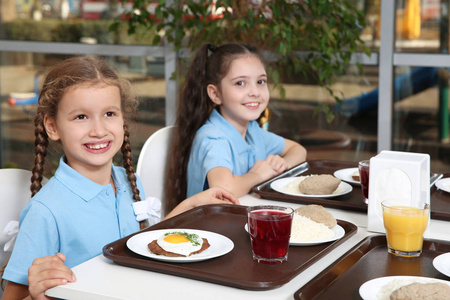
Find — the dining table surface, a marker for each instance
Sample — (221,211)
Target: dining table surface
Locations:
(102,278)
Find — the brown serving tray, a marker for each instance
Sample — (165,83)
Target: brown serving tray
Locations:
(236,268)
(440,200)
(368,260)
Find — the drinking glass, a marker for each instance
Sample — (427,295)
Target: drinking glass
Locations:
(269,228)
(364,168)
(405,226)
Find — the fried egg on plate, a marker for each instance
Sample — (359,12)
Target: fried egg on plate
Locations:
(181,243)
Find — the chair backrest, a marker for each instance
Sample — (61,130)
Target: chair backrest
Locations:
(14,195)
(152,161)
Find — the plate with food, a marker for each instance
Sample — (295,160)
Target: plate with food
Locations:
(443,184)
(313,225)
(180,245)
(350,175)
(314,186)
(398,287)
(442,263)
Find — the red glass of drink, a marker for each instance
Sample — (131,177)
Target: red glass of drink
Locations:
(269,228)
(364,168)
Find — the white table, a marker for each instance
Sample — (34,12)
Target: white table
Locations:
(101,278)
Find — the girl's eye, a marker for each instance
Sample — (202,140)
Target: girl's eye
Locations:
(110,114)
(262,81)
(241,83)
(80,117)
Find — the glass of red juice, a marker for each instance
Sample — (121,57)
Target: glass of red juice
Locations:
(269,228)
(364,168)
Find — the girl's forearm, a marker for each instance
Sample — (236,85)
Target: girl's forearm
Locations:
(15,291)
(294,153)
(180,208)
(243,184)
(240,185)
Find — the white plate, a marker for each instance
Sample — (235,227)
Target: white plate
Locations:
(444,184)
(280,186)
(370,289)
(219,245)
(338,233)
(346,175)
(442,263)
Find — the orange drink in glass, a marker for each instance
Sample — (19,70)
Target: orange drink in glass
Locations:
(405,226)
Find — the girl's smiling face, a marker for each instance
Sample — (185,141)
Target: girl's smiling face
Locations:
(243,93)
(89,125)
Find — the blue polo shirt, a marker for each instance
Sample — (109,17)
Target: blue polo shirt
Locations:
(75,216)
(218,144)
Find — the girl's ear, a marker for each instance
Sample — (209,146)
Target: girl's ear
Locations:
(214,94)
(50,128)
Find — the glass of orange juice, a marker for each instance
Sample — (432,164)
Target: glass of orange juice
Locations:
(405,226)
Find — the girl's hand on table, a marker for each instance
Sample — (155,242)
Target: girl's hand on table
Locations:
(279,164)
(262,170)
(214,195)
(47,272)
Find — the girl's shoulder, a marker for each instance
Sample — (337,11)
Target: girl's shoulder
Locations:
(44,199)
(50,194)
(49,188)
(209,130)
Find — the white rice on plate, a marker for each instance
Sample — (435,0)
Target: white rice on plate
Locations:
(293,186)
(306,230)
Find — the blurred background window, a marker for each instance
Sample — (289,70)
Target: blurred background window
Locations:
(34,34)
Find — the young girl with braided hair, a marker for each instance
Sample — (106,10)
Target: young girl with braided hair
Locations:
(217,140)
(88,203)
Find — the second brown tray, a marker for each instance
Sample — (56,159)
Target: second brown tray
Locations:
(235,268)
(353,201)
(368,260)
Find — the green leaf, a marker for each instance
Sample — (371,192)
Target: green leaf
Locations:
(276,77)
(114,26)
(282,92)
(156,40)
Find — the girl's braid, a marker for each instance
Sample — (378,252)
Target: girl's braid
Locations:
(40,152)
(127,157)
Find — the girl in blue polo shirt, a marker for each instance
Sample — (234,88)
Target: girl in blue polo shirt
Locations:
(88,203)
(218,141)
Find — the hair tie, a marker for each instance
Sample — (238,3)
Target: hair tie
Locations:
(212,48)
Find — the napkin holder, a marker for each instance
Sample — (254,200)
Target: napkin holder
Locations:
(397,175)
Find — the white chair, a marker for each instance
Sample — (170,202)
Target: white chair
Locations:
(152,161)
(15,193)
